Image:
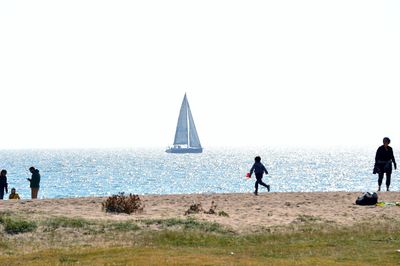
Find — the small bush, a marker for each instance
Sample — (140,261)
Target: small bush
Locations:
(121,203)
(16,226)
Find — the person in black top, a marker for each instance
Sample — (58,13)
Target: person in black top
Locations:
(383,163)
(3,183)
(35,181)
(259,169)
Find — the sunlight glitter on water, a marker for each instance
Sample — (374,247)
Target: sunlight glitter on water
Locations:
(73,173)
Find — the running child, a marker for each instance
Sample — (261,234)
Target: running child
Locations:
(259,170)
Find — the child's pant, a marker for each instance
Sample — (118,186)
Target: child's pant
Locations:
(259,181)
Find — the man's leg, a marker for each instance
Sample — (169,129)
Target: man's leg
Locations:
(380,178)
(34,192)
(388,177)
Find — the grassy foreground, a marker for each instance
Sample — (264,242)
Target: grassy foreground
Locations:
(69,241)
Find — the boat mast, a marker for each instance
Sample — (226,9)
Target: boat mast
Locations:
(187,120)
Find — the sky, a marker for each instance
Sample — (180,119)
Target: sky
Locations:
(112,74)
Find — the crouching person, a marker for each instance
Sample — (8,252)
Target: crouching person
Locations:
(14,194)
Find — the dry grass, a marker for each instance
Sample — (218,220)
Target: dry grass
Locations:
(64,240)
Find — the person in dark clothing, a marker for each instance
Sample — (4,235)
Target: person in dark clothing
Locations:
(3,183)
(34,180)
(259,170)
(383,163)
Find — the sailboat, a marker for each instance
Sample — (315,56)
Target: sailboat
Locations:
(186,137)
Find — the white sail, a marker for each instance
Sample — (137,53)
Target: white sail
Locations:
(194,140)
(181,133)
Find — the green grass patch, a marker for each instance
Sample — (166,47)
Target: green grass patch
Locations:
(358,245)
(14,225)
(188,224)
(303,245)
(129,256)
(88,226)
(194,242)
(61,221)
(196,238)
(124,226)
(67,259)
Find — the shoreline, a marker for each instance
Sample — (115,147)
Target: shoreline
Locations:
(246,212)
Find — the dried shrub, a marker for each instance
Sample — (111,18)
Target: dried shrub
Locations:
(194,208)
(212,208)
(197,208)
(222,213)
(122,203)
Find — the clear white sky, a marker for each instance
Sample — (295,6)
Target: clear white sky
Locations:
(84,73)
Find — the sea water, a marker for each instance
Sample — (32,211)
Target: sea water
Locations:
(76,173)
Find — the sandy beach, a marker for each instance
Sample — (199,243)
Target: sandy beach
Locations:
(247,213)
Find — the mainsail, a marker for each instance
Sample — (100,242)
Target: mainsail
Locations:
(181,133)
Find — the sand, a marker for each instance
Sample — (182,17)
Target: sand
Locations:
(246,212)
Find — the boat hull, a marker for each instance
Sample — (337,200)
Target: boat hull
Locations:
(184,150)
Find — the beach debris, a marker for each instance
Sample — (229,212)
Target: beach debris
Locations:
(223,214)
(212,208)
(382,203)
(194,208)
(122,203)
(197,208)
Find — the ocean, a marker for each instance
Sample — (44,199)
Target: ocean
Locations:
(81,173)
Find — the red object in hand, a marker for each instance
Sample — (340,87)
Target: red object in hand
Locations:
(248,175)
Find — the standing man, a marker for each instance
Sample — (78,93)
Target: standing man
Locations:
(3,183)
(34,180)
(384,159)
